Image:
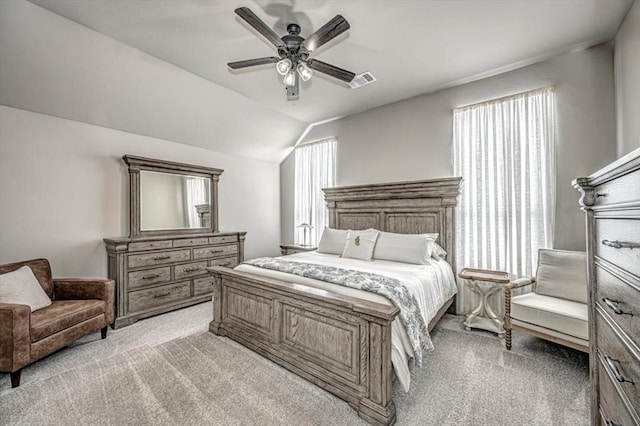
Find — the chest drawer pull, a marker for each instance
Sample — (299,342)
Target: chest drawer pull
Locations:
(613,305)
(150,276)
(620,244)
(161,257)
(216,251)
(193,269)
(158,295)
(614,369)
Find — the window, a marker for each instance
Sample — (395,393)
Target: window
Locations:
(504,151)
(314,170)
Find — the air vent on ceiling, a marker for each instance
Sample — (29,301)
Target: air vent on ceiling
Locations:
(362,80)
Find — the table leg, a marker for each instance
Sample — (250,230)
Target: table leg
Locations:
(478,309)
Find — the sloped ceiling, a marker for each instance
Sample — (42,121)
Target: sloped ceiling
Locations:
(412,47)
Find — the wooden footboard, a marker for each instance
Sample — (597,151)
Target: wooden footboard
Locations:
(339,343)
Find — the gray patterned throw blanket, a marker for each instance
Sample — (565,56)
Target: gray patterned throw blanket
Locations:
(390,288)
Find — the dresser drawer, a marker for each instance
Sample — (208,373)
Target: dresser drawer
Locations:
(611,402)
(188,270)
(624,363)
(223,239)
(215,251)
(190,242)
(150,245)
(614,237)
(149,259)
(202,286)
(623,189)
(144,299)
(147,277)
(229,262)
(614,294)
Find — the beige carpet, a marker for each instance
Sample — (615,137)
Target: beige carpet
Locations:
(203,379)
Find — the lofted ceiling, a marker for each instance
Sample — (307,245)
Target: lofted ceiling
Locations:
(411,47)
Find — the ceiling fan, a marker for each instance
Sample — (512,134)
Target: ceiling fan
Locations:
(294,51)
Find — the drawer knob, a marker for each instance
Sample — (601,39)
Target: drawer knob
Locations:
(613,305)
(150,276)
(620,244)
(193,269)
(159,295)
(161,257)
(614,369)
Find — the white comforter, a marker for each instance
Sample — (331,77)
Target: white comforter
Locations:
(432,285)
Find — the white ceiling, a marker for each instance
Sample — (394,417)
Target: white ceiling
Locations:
(412,47)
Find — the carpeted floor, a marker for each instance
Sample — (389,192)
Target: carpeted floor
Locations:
(169,370)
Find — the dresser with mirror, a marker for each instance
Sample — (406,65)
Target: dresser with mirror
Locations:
(173,238)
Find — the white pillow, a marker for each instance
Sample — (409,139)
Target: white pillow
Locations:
(360,244)
(332,241)
(22,288)
(438,252)
(407,248)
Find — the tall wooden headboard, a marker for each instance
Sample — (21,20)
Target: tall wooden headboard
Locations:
(416,207)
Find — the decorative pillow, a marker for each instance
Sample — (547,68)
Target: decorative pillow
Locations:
(438,252)
(562,274)
(360,244)
(407,248)
(22,288)
(332,241)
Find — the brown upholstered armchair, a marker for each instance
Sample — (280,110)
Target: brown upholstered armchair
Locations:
(79,307)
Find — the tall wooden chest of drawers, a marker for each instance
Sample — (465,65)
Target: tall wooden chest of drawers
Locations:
(611,201)
(159,274)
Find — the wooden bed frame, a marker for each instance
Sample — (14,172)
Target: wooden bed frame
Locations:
(340,343)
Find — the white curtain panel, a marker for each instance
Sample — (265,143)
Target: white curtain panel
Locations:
(505,152)
(314,170)
(195,193)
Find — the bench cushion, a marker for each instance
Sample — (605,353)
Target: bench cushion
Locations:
(565,316)
(62,314)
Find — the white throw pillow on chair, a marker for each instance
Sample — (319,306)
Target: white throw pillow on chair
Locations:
(21,287)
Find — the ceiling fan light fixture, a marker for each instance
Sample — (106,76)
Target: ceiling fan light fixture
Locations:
(283,66)
(304,71)
(290,79)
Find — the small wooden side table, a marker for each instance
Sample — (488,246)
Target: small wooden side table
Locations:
(286,249)
(483,316)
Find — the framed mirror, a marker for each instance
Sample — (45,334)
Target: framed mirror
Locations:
(171,198)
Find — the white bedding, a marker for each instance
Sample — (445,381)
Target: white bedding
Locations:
(432,285)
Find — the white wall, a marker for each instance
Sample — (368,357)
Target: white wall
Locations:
(64,187)
(412,139)
(627,75)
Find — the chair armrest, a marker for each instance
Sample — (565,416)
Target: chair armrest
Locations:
(520,282)
(515,284)
(15,336)
(87,288)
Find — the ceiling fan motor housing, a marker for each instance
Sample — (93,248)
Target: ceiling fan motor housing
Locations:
(293,48)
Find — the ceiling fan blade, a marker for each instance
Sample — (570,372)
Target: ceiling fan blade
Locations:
(253,62)
(257,23)
(327,32)
(331,70)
